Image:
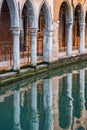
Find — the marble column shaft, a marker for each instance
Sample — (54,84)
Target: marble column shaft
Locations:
(16,48)
(69,38)
(47,46)
(33,40)
(82,37)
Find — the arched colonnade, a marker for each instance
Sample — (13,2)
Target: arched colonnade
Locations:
(24,26)
(30,31)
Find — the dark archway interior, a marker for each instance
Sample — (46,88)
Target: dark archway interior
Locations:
(6,41)
(40,33)
(76,28)
(62,29)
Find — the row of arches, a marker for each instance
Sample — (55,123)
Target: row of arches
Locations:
(26,36)
(72,26)
(23,33)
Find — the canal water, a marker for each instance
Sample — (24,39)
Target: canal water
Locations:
(52,103)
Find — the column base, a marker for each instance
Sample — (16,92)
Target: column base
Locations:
(16,70)
(33,66)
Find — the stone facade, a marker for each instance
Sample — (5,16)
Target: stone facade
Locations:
(43,30)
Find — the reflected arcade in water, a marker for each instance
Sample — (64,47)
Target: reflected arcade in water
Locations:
(51,103)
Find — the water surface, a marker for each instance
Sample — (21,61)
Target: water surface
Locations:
(55,103)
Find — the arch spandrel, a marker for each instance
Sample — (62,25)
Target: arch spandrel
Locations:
(75,2)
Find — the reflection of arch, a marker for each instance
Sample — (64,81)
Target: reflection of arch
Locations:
(47,15)
(31,12)
(64,106)
(80,128)
(13,12)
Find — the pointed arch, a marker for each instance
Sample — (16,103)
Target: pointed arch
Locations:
(68,13)
(47,14)
(31,12)
(14,14)
(80,12)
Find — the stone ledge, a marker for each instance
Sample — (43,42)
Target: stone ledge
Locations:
(61,65)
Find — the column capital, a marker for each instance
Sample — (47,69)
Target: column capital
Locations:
(69,23)
(48,32)
(16,30)
(82,24)
(33,30)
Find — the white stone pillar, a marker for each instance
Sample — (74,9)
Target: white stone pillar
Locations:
(16,110)
(16,48)
(82,37)
(69,38)
(34,123)
(33,40)
(47,46)
(58,23)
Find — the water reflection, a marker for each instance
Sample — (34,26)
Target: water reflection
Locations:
(65,102)
(34,120)
(47,97)
(55,103)
(16,101)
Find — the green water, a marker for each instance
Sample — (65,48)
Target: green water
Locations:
(55,103)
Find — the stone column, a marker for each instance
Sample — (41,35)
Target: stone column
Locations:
(82,37)
(69,38)
(16,110)
(58,23)
(16,48)
(34,123)
(47,46)
(33,41)
(47,95)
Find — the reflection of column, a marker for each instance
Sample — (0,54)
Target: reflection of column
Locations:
(77,109)
(47,91)
(16,49)
(69,94)
(69,38)
(16,110)
(34,122)
(82,86)
(69,85)
(65,102)
(47,46)
(82,37)
(33,41)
